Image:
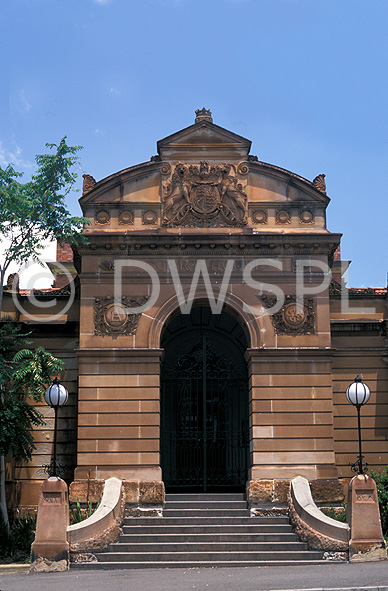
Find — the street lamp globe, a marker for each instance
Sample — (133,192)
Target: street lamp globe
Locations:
(358,393)
(56,395)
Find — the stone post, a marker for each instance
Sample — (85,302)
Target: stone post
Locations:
(50,550)
(366,543)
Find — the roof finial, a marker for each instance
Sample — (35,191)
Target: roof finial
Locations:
(203,115)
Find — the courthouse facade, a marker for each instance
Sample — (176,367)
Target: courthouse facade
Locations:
(207,333)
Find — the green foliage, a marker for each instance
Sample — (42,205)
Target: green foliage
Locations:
(382,492)
(17,539)
(35,211)
(24,376)
(338,515)
(77,513)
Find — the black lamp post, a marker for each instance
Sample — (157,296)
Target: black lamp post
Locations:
(358,394)
(55,396)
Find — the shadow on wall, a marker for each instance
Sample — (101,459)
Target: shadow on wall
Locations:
(381,416)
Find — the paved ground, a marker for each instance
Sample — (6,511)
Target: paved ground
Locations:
(371,575)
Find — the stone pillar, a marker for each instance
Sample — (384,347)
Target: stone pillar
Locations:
(50,550)
(119,414)
(291,414)
(366,543)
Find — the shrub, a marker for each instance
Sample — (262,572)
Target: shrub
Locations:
(382,492)
(337,513)
(16,541)
(78,513)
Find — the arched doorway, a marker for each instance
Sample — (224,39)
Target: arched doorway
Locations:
(204,402)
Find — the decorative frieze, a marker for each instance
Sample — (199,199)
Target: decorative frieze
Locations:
(111,317)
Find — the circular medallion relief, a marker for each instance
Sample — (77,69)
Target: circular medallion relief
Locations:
(115,315)
(102,217)
(149,217)
(306,217)
(126,217)
(294,314)
(259,216)
(283,217)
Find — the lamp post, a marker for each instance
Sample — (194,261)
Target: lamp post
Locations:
(358,394)
(55,396)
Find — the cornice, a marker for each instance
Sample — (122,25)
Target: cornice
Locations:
(157,243)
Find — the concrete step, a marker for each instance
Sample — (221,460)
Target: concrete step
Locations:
(206,497)
(224,520)
(195,564)
(194,528)
(205,512)
(185,505)
(128,557)
(213,536)
(205,531)
(214,546)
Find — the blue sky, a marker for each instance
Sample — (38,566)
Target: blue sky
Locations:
(305,80)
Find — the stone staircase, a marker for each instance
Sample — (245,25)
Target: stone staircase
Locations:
(199,530)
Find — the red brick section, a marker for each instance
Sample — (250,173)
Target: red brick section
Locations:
(64,253)
(337,253)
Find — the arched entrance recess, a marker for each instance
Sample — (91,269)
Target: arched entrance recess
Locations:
(204,402)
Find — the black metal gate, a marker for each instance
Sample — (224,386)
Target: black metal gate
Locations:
(204,419)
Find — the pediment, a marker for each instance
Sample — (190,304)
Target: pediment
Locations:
(204,141)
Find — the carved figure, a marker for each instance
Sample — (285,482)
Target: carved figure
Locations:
(233,197)
(179,195)
(88,183)
(320,183)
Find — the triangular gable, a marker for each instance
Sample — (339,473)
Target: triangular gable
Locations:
(207,138)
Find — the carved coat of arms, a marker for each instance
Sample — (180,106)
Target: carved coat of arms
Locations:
(204,196)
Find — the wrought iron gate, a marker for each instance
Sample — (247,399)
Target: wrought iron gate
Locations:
(204,419)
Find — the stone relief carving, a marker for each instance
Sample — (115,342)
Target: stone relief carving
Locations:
(149,217)
(111,318)
(306,217)
(102,217)
(259,216)
(126,217)
(320,183)
(88,183)
(283,217)
(13,281)
(293,317)
(107,265)
(204,195)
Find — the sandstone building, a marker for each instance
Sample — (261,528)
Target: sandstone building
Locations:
(210,398)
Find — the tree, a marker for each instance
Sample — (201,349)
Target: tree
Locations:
(34,212)
(24,376)
(30,214)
